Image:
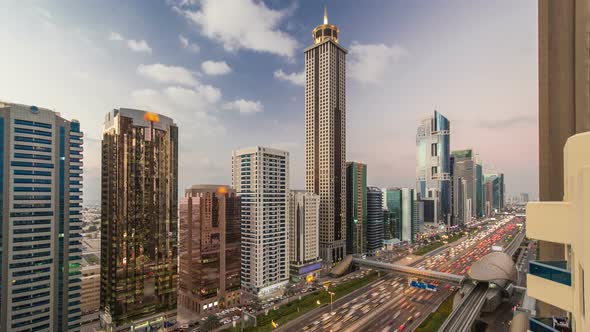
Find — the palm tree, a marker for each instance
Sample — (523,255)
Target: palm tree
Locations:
(211,323)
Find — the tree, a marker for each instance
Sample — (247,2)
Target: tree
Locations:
(211,323)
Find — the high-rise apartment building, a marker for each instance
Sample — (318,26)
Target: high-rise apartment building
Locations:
(561,284)
(325,136)
(433,170)
(261,177)
(564,105)
(209,249)
(356,202)
(41,199)
(401,203)
(374,219)
(303,213)
(139,218)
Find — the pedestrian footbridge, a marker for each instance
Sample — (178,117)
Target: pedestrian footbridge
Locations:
(452,278)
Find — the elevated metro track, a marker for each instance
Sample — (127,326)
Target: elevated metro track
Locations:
(463,315)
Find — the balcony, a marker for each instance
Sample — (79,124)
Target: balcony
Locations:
(549,221)
(551,282)
(555,271)
(539,326)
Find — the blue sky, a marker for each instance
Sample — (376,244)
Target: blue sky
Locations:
(230,73)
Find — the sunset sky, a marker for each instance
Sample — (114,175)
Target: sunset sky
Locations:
(230,73)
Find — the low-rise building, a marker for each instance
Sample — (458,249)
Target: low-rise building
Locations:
(90,292)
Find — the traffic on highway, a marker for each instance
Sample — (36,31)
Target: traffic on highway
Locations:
(390,304)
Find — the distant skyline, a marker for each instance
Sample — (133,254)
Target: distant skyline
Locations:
(230,73)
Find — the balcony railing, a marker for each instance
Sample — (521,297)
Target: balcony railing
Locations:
(538,326)
(551,270)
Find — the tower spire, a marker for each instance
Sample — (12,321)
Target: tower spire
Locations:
(325,14)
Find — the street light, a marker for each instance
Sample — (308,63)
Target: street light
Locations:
(331,306)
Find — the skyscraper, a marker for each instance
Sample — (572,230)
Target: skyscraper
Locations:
(209,257)
(303,212)
(374,219)
(488,198)
(433,170)
(464,181)
(497,199)
(41,199)
(261,177)
(401,203)
(564,107)
(325,136)
(356,202)
(479,195)
(139,218)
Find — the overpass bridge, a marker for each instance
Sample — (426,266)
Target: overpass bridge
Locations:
(510,249)
(452,278)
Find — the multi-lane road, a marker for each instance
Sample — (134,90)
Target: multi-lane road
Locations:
(390,304)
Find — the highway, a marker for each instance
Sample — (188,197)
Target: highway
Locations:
(391,305)
(463,315)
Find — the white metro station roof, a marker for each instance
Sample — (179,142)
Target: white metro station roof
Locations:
(495,267)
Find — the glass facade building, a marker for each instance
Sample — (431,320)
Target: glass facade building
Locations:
(139,220)
(356,201)
(40,218)
(209,253)
(497,184)
(479,202)
(374,219)
(403,221)
(433,164)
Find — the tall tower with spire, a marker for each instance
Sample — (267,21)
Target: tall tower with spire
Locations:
(325,136)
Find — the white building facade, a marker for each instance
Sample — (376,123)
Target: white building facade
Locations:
(261,177)
(302,220)
(41,197)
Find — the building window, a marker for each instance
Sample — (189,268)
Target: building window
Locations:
(434,149)
(434,170)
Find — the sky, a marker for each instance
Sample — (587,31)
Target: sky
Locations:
(230,73)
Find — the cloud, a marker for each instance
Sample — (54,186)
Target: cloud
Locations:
(294,78)
(134,45)
(139,46)
(371,63)
(115,36)
(204,94)
(215,67)
(194,108)
(508,122)
(192,47)
(168,74)
(244,106)
(240,24)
